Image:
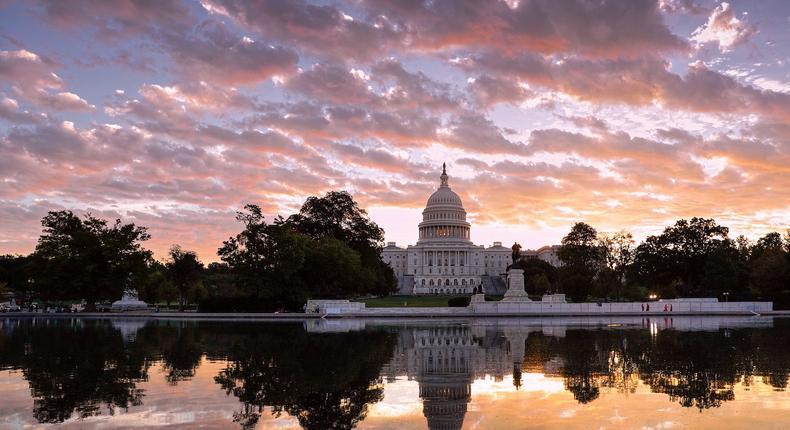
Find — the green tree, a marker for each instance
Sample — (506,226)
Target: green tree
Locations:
(582,258)
(580,248)
(618,254)
(4,290)
(770,270)
(267,259)
(534,267)
(726,271)
(538,284)
(334,270)
(87,258)
(679,255)
(337,215)
(184,270)
(13,271)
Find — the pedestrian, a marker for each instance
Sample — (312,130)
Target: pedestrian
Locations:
(643,307)
(647,307)
(665,308)
(670,307)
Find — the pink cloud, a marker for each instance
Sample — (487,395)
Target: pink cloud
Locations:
(724,28)
(214,53)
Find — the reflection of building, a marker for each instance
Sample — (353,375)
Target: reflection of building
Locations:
(445,260)
(445,361)
(545,253)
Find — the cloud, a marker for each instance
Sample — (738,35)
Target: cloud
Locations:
(118,18)
(637,82)
(10,111)
(213,53)
(610,29)
(33,77)
(320,30)
(489,91)
(682,6)
(331,83)
(724,28)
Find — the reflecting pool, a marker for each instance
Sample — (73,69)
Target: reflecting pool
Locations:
(693,372)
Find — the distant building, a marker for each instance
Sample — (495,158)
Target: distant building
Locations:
(444,260)
(546,253)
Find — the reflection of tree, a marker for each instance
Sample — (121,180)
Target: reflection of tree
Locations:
(325,380)
(696,369)
(76,368)
(179,344)
(583,366)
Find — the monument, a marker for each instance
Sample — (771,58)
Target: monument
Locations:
(515,287)
(129,302)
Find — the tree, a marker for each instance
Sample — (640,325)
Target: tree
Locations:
(538,284)
(535,268)
(618,254)
(4,290)
(13,271)
(725,271)
(580,248)
(184,270)
(678,255)
(264,257)
(87,258)
(337,215)
(770,270)
(581,256)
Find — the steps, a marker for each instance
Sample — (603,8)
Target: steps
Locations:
(493,285)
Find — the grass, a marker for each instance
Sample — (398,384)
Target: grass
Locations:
(408,301)
(414,301)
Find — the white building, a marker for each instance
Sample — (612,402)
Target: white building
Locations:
(444,260)
(545,253)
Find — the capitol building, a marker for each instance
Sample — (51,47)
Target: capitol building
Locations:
(444,260)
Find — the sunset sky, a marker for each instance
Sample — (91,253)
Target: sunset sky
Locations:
(624,114)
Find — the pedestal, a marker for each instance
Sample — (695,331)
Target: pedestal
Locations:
(515,287)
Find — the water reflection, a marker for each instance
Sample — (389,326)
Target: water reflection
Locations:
(328,374)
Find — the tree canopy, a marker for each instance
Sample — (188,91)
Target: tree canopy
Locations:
(88,258)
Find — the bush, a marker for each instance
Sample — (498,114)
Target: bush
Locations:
(458,302)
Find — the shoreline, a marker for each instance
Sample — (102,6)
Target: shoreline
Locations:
(389,314)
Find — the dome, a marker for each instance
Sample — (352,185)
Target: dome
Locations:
(444,196)
(444,217)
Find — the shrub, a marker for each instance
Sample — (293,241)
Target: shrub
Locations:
(458,302)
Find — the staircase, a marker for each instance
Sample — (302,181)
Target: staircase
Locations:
(493,285)
(406,285)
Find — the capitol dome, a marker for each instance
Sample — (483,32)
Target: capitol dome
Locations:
(444,217)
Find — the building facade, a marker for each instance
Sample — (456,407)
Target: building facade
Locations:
(545,253)
(444,260)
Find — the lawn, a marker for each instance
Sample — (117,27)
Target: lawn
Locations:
(407,301)
(413,301)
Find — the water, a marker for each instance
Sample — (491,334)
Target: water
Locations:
(479,374)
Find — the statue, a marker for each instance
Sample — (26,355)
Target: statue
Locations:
(129,302)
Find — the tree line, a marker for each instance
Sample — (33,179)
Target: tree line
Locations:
(691,258)
(329,249)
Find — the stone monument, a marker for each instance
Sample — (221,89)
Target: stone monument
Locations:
(129,302)
(515,287)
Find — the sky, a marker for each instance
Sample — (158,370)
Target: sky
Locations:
(623,114)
